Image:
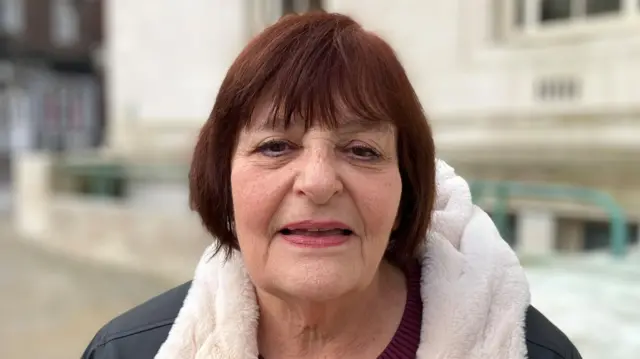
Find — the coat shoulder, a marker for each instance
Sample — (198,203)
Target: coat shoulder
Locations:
(139,332)
(545,340)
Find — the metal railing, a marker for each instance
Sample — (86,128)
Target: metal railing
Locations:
(112,179)
(502,191)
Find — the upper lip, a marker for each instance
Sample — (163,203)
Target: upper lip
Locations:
(317,225)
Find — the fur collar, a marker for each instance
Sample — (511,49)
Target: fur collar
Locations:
(474,289)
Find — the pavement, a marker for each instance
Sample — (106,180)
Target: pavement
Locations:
(595,300)
(51,306)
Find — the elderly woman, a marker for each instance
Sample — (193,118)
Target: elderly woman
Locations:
(337,232)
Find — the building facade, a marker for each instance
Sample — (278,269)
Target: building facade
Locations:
(50,83)
(536,91)
(162,76)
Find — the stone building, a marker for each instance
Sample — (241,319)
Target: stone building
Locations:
(50,81)
(542,92)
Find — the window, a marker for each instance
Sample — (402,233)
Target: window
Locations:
(298,6)
(595,7)
(65,22)
(538,22)
(543,12)
(12,16)
(557,89)
(552,10)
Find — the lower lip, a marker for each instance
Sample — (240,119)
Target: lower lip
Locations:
(316,242)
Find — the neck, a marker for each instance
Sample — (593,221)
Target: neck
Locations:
(358,324)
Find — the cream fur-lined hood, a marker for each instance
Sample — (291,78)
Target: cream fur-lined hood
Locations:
(474,289)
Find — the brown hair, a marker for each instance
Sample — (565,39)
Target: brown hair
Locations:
(312,66)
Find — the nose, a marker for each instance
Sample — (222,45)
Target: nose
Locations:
(318,178)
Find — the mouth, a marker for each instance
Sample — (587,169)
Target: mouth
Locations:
(316,232)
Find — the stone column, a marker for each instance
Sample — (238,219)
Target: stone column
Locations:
(631,9)
(532,8)
(32,193)
(536,232)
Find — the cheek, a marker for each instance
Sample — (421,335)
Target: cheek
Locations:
(256,197)
(379,203)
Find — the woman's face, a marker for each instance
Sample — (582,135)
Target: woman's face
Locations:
(314,209)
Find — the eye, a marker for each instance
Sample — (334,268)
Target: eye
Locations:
(363,152)
(275,148)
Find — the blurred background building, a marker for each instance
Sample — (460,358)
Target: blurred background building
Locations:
(536,102)
(530,91)
(537,92)
(50,82)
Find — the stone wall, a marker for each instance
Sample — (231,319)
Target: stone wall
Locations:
(111,231)
(163,243)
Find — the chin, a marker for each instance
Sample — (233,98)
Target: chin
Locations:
(319,280)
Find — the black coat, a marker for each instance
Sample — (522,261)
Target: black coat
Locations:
(138,333)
